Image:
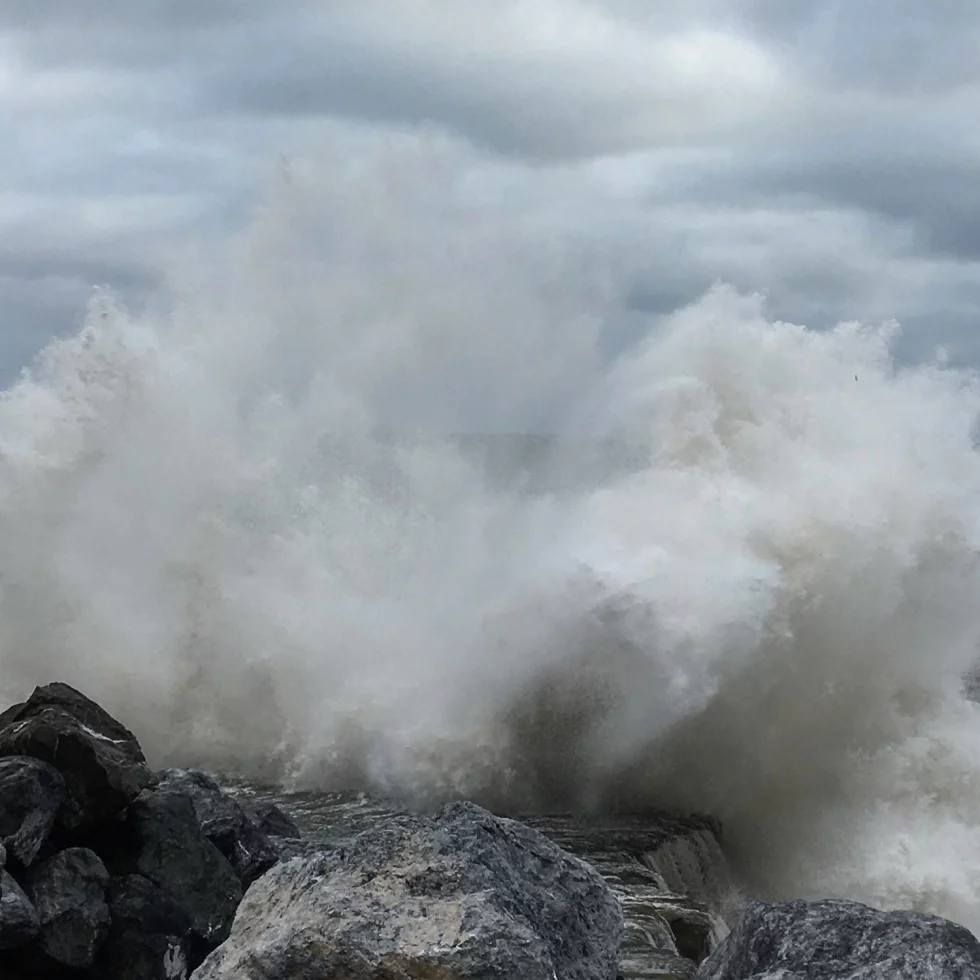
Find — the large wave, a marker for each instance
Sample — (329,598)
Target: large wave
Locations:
(243,520)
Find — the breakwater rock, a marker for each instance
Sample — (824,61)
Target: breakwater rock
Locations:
(461,894)
(112,871)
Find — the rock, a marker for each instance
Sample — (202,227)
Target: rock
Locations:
(150,934)
(11,713)
(225,823)
(162,841)
(31,791)
(839,940)
(463,895)
(18,920)
(293,847)
(68,892)
(101,761)
(670,876)
(272,821)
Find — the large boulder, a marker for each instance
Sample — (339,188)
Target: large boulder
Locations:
(465,895)
(101,761)
(839,940)
(150,938)
(224,822)
(31,792)
(68,892)
(18,919)
(161,840)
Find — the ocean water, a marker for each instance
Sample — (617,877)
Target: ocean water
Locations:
(710,562)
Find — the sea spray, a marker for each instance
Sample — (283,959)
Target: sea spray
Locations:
(244,521)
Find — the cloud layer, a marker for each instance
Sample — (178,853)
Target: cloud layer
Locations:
(822,152)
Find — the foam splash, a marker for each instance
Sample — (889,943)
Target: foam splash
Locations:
(241,523)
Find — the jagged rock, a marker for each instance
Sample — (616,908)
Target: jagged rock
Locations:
(272,821)
(68,892)
(161,840)
(31,791)
(839,940)
(463,895)
(101,761)
(150,934)
(18,919)
(225,823)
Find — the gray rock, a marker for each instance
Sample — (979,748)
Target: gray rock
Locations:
(31,791)
(225,823)
(68,892)
(18,920)
(838,940)
(162,841)
(293,847)
(150,938)
(101,761)
(463,895)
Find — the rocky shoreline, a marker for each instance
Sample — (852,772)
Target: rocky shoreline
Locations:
(111,871)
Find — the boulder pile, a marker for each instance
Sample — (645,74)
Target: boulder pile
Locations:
(109,870)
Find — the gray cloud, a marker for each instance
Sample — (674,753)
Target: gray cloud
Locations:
(822,152)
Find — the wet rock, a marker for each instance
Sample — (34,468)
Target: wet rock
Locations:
(31,791)
(670,877)
(272,821)
(463,895)
(150,937)
(18,919)
(225,823)
(68,892)
(100,760)
(839,940)
(162,841)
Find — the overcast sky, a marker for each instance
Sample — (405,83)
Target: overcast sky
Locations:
(825,151)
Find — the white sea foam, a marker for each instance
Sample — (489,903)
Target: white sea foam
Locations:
(238,521)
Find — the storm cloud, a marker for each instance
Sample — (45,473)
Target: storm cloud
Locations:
(823,152)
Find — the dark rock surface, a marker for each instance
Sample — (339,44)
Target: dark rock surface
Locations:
(18,919)
(68,892)
(78,804)
(31,791)
(162,841)
(462,895)
(225,823)
(150,934)
(100,760)
(839,940)
(272,821)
